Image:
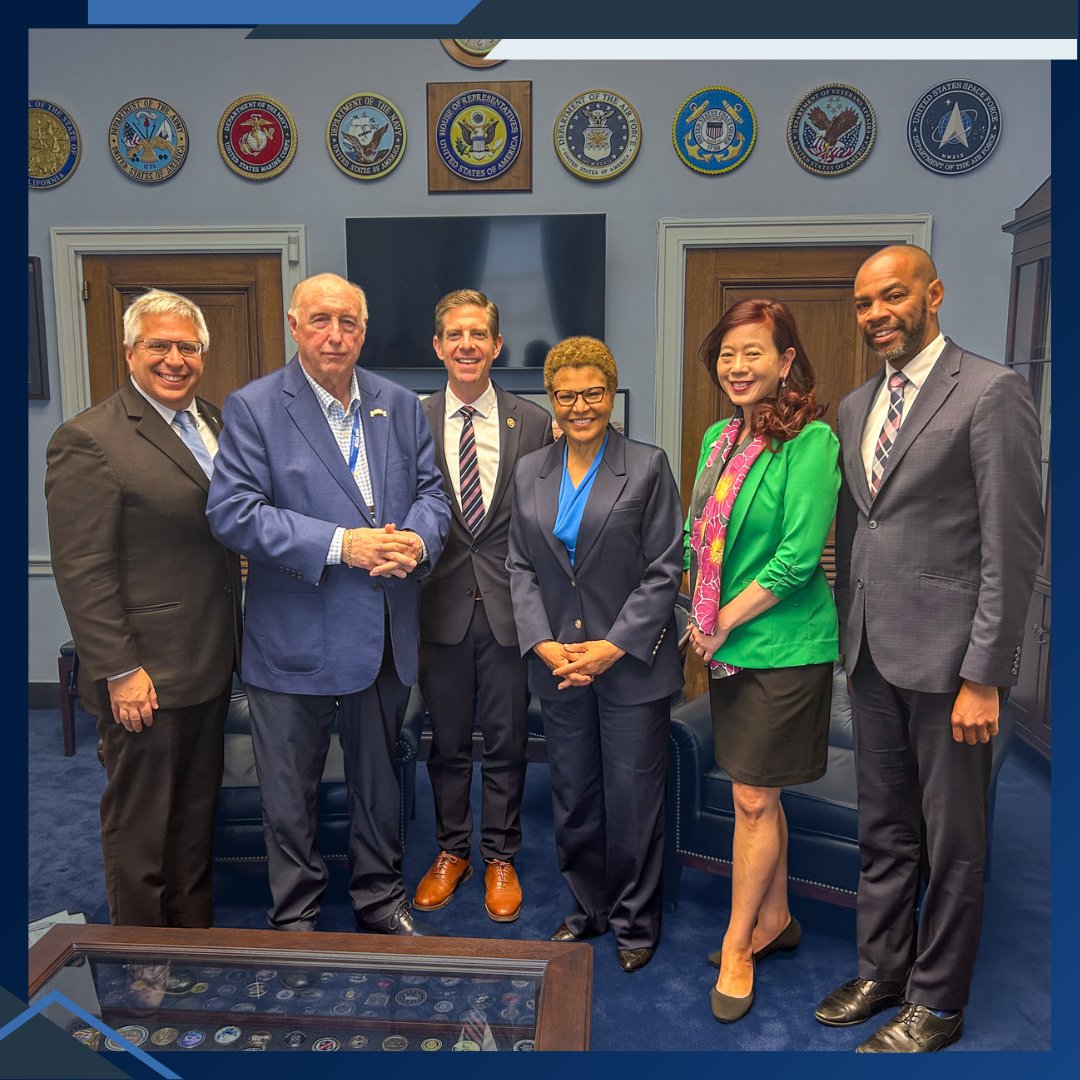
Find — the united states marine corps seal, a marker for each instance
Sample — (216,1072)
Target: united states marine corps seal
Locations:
(148,140)
(478,135)
(714,130)
(597,135)
(831,130)
(954,127)
(366,136)
(257,137)
(55,145)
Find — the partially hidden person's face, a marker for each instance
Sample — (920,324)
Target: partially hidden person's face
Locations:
(582,422)
(749,366)
(170,378)
(896,308)
(467,349)
(329,328)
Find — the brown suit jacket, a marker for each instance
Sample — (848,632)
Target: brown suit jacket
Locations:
(142,580)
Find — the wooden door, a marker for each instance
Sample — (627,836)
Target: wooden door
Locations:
(240,297)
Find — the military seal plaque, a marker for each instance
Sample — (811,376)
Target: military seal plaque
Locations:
(148,140)
(714,130)
(257,137)
(954,127)
(831,130)
(55,146)
(597,135)
(366,136)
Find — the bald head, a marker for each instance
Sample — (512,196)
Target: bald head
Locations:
(333,283)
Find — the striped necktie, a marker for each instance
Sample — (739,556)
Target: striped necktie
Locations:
(893,418)
(472,498)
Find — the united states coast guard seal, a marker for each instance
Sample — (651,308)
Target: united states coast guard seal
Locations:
(597,135)
(954,127)
(714,130)
(366,136)
(257,137)
(148,140)
(478,135)
(55,146)
(831,130)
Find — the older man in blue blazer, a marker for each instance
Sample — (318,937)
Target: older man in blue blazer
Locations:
(326,480)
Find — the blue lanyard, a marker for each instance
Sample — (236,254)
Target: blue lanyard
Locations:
(354,452)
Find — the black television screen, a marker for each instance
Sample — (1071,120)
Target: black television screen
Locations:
(545,272)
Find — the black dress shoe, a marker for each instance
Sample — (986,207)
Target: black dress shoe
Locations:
(562,934)
(403,924)
(785,941)
(916,1030)
(728,1009)
(634,959)
(857,1000)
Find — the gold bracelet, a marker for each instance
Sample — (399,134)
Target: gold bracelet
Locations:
(348,549)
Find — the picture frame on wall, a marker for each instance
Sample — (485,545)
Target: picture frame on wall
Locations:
(38,379)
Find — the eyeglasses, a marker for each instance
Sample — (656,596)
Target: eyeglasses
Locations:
(593,395)
(162,347)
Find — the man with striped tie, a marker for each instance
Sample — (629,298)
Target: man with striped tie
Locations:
(938,535)
(471,671)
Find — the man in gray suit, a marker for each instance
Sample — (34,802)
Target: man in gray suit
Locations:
(471,671)
(938,535)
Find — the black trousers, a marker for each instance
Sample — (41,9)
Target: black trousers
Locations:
(911,776)
(476,682)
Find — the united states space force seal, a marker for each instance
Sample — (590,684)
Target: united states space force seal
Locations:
(55,145)
(831,130)
(954,127)
(257,137)
(597,135)
(366,136)
(148,140)
(478,135)
(714,130)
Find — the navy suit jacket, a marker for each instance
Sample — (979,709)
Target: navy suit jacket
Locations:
(280,489)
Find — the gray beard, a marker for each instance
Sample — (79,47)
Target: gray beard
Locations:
(902,349)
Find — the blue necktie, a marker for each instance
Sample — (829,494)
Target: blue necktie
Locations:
(193,441)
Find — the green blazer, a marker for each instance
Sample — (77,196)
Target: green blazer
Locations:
(779,525)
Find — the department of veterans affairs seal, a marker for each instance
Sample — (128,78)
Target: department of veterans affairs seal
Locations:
(55,146)
(831,130)
(148,140)
(366,136)
(478,135)
(597,135)
(257,137)
(714,130)
(954,127)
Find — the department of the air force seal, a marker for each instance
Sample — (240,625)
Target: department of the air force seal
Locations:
(366,136)
(478,135)
(257,137)
(148,140)
(714,130)
(831,130)
(954,127)
(55,145)
(597,135)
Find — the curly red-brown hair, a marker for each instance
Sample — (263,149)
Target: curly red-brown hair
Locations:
(783,417)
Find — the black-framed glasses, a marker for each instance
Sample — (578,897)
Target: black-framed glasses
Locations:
(593,395)
(162,347)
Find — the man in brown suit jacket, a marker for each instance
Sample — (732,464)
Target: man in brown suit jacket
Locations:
(153,603)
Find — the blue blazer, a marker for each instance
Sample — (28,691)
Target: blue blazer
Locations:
(280,489)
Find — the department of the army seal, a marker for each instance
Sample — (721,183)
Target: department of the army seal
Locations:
(478,135)
(597,135)
(831,130)
(257,137)
(55,146)
(366,136)
(714,130)
(148,140)
(954,127)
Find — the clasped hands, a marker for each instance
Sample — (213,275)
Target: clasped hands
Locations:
(706,644)
(385,552)
(577,663)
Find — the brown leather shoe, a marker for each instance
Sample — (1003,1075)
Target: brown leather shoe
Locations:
(436,888)
(502,892)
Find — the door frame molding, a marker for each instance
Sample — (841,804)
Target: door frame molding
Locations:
(675,236)
(70,244)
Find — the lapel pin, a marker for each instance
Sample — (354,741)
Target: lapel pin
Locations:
(377,412)
(510,421)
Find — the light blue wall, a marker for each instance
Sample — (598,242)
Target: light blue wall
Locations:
(90,73)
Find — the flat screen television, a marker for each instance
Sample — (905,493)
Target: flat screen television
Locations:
(545,272)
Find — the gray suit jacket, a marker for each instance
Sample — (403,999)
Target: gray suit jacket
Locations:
(467,561)
(938,568)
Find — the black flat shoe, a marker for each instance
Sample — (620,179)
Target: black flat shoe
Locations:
(634,959)
(857,1000)
(915,1030)
(728,1009)
(785,941)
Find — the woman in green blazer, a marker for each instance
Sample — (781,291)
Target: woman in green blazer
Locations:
(762,614)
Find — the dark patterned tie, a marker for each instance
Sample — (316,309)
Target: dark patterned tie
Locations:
(472,498)
(888,429)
